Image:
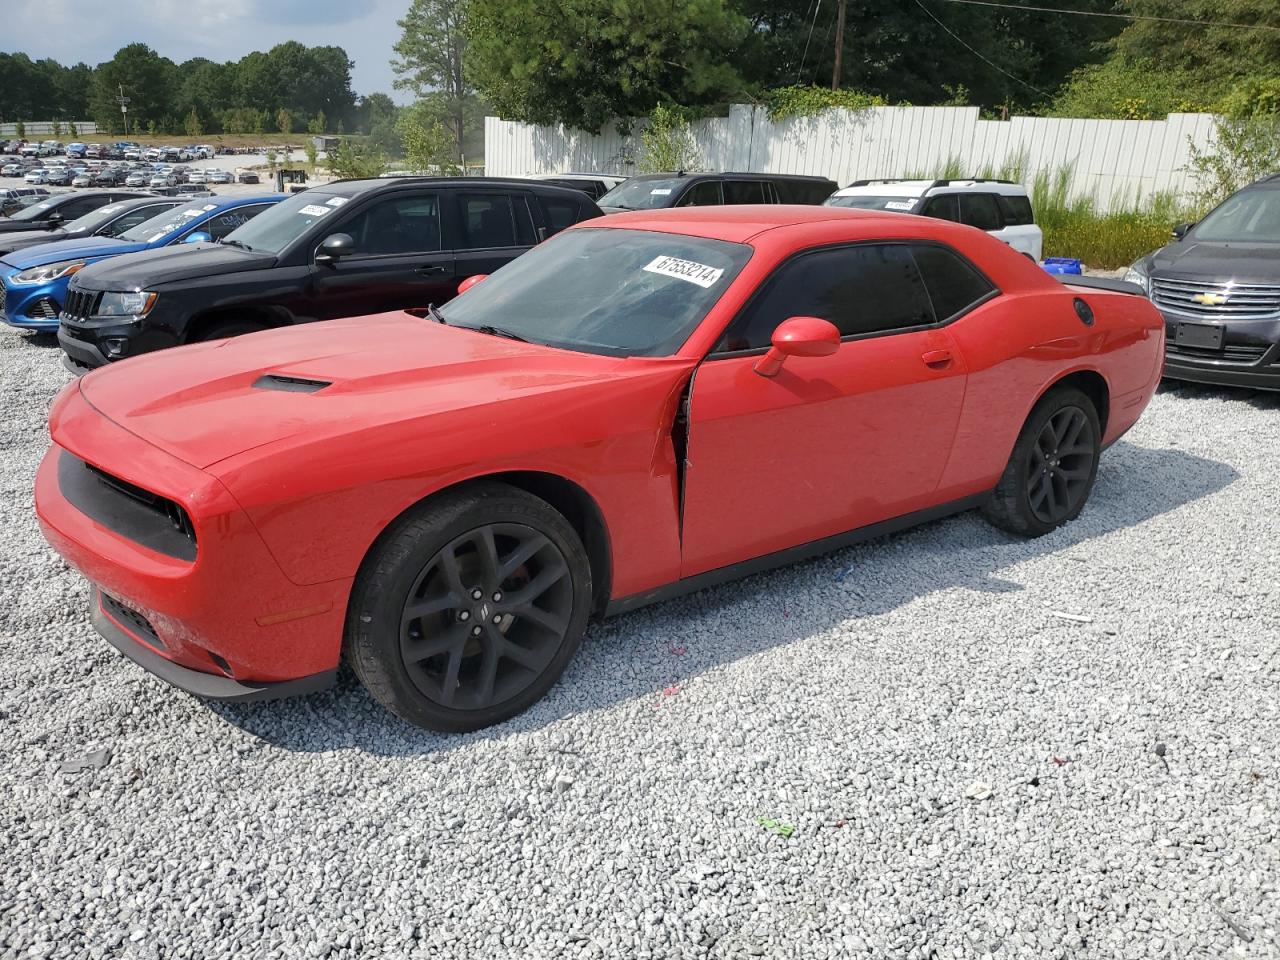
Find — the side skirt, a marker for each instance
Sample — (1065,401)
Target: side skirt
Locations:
(805,551)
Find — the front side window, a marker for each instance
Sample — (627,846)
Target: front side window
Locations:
(609,291)
(943,207)
(225,223)
(862,289)
(704,194)
(397,225)
(979,210)
(134,217)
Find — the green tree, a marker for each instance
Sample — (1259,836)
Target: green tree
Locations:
(147,79)
(57,128)
(427,145)
(312,153)
(586,62)
(352,161)
(430,60)
(284,122)
(1245,149)
(192,125)
(666,143)
(316,124)
(20,129)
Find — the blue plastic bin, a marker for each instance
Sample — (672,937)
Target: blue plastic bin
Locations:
(1063,265)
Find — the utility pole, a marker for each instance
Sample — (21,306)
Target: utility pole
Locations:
(124,108)
(835,73)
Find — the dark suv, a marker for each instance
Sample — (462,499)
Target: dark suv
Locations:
(1218,286)
(658,190)
(338,250)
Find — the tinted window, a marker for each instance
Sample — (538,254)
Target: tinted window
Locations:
(642,193)
(1015,210)
(744,191)
(222,225)
(979,210)
(803,191)
(867,201)
(396,225)
(953,285)
(133,218)
(486,221)
(704,194)
(943,208)
(868,288)
(524,222)
(560,213)
(289,219)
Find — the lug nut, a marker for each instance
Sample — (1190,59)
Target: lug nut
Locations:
(497,596)
(464,614)
(476,594)
(475,631)
(497,618)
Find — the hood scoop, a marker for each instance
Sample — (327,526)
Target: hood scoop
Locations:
(278,381)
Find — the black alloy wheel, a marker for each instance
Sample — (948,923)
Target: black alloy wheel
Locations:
(1060,466)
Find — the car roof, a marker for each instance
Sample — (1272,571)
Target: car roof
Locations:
(895,187)
(353,188)
(737,223)
(730,173)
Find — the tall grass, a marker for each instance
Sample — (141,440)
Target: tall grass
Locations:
(1073,224)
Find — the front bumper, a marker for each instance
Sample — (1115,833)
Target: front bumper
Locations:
(226,624)
(1249,356)
(30,308)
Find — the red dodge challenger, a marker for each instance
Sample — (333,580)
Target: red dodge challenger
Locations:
(640,406)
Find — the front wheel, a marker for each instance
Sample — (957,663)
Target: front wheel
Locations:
(1051,472)
(469,608)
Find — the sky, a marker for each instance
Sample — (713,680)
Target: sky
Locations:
(71,31)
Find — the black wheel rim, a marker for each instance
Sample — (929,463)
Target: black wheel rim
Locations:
(1061,464)
(486,616)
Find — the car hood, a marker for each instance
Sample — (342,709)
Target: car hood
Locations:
(185,261)
(207,402)
(85,247)
(33,238)
(1192,259)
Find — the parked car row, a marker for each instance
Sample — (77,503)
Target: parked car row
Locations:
(120,150)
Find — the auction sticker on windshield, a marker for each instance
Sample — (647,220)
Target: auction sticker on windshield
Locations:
(699,273)
(312,210)
(898,205)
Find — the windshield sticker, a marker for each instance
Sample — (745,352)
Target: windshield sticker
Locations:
(336,201)
(191,213)
(107,211)
(660,192)
(898,205)
(312,210)
(210,206)
(155,237)
(698,273)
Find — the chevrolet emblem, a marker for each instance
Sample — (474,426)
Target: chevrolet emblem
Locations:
(1210,299)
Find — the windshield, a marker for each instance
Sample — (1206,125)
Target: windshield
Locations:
(870,202)
(276,228)
(1250,216)
(36,211)
(628,293)
(149,231)
(641,194)
(92,220)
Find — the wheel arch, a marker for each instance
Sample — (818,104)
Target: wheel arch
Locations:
(565,496)
(1089,382)
(205,320)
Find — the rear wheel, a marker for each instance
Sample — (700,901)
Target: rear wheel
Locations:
(1051,472)
(469,608)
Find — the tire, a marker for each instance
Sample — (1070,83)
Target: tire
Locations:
(233,328)
(431,650)
(1050,474)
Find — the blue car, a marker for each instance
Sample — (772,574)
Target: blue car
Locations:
(35,279)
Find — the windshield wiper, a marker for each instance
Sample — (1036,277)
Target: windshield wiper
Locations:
(498,332)
(236,243)
(436,315)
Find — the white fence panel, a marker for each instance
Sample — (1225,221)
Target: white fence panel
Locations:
(44,130)
(1113,160)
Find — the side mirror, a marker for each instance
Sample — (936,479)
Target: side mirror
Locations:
(199,236)
(334,247)
(471,281)
(54,217)
(798,337)
(1181,230)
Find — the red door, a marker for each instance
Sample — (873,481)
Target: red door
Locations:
(830,443)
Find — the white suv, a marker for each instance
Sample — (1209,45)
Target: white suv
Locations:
(1000,207)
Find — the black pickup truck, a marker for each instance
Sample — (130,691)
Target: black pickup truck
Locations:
(339,250)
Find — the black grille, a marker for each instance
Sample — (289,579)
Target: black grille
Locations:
(81,303)
(132,620)
(147,518)
(1231,353)
(43,309)
(1,297)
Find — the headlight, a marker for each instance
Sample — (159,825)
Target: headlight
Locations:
(50,271)
(125,304)
(1138,274)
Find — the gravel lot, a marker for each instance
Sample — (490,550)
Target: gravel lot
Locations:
(621,818)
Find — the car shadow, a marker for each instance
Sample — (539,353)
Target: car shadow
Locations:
(1259,399)
(644,653)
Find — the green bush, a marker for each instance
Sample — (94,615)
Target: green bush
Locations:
(784,102)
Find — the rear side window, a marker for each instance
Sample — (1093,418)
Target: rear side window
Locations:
(744,191)
(487,221)
(944,207)
(803,191)
(979,210)
(392,226)
(560,213)
(1015,210)
(862,289)
(954,286)
(704,194)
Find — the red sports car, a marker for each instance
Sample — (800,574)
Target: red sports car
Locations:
(640,406)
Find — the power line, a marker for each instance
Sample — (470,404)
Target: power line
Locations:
(994,66)
(1116,16)
(812,23)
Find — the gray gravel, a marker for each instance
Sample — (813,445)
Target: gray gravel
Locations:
(960,736)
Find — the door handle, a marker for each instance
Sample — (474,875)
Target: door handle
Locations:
(936,358)
(431,270)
